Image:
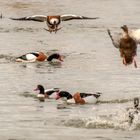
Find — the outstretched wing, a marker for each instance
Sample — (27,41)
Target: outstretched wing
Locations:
(116,39)
(71,17)
(135,34)
(39,18)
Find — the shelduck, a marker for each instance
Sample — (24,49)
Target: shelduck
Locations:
(48,93)
(53,21)
(127,43)
(78,98)
(38,56)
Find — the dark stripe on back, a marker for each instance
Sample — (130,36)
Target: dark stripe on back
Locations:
(50,92)
(36,54)
(83,95)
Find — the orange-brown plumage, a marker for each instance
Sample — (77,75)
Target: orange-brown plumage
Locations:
(41,57)
(78,99)
(127,47)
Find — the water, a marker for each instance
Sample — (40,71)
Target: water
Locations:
(91,64)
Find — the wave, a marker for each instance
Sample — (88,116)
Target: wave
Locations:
(117,121)
(115,101)
(7,57)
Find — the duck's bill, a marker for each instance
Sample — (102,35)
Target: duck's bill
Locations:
(36,89)
(60,59)
(57,96)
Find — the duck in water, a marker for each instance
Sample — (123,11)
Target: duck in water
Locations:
(38,56)
(48,93)
(134,111)
(78,97)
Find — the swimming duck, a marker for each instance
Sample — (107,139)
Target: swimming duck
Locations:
(127,44)
(53,21)
(134,111)
(48,93)
(78,98)
(38,56)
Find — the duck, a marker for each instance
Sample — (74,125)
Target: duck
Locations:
(38,56)
(127,43)
(48,93)
(53,21)
(78,98)
(133,112)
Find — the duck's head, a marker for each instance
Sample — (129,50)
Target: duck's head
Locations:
(128,57)
(63,94)
(55,56)
(53,22)
(40,88)
(136,102)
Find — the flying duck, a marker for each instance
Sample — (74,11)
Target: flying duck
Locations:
(127,44)
(38,56)
(53,21)
(78,98)
(48,93)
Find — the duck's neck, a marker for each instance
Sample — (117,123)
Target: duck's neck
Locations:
(42,91)
(51,57)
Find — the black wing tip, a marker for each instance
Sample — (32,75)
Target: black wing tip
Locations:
(26,18)
(90,17)
(23,18)
(108,30)
(97,94)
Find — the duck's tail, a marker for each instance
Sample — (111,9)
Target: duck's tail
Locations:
(125,29)
(97,94)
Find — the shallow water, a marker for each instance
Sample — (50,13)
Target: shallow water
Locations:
(91,64)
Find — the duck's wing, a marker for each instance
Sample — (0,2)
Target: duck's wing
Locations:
(51,91)
(39,18)
(135,34)
(71,17)
(115,39)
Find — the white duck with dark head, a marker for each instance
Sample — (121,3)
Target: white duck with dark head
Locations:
(38,56)
(46,93)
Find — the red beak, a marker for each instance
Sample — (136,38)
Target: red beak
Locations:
(57,96)
(36,89)
(60,58)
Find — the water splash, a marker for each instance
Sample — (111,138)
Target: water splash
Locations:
(119,120)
